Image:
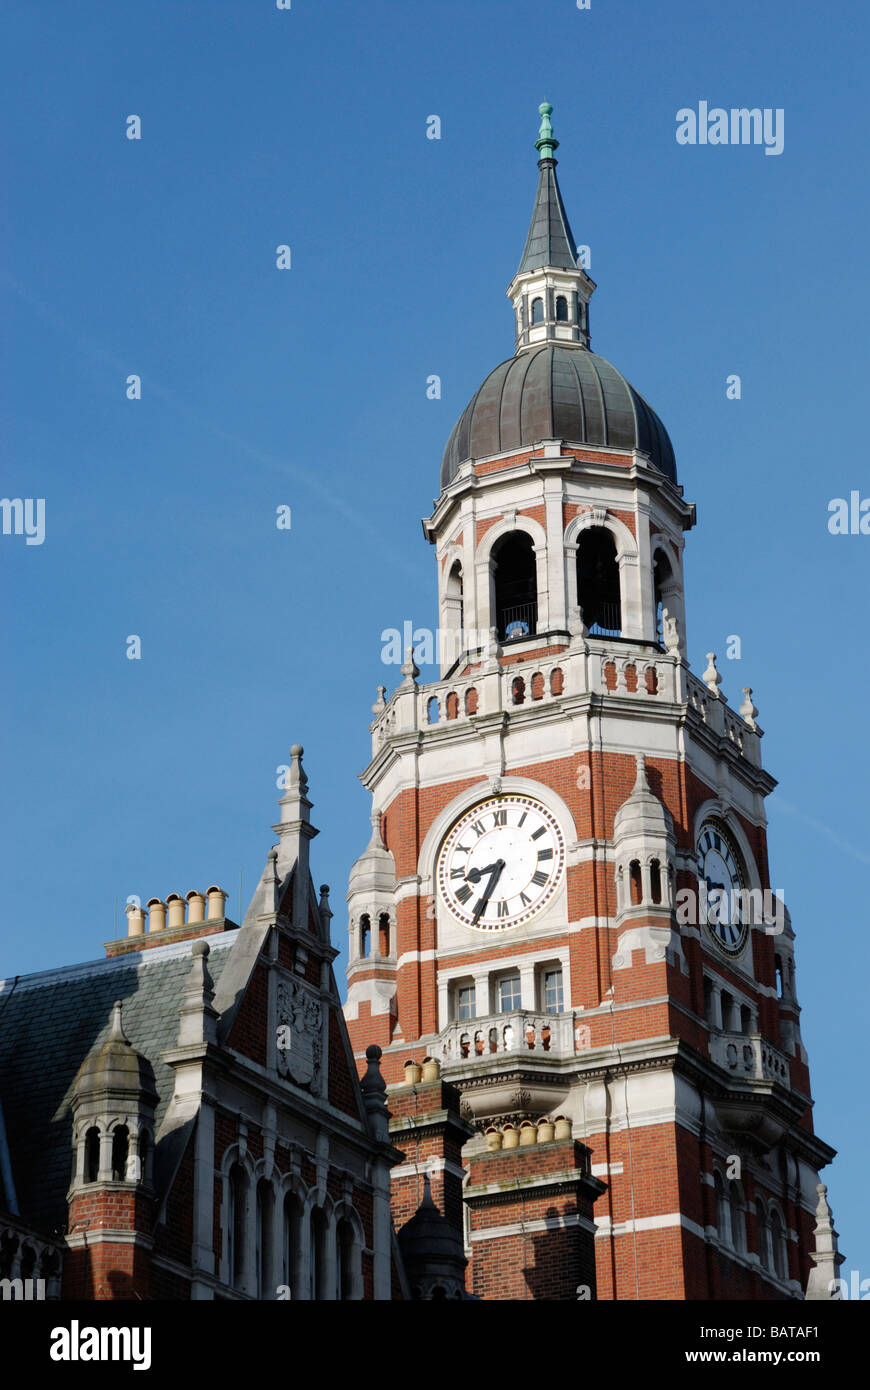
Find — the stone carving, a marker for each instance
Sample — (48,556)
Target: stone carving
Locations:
(300,1034)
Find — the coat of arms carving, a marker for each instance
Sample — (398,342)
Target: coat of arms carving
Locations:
(300,1034)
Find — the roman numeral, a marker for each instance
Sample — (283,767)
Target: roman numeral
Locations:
(539,877)
(499,817)
(539,832)
(477,828)
(502,908)
(463,893)
(522,817)
(524,900)
(457,873)
(463,849)
(544,854)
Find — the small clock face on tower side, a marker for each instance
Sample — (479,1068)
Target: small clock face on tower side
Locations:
(720,871)
(501,863)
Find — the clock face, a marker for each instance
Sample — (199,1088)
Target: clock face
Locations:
(720,871)
(501,863)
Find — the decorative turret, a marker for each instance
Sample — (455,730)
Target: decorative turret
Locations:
(432,1252)
(111,1196)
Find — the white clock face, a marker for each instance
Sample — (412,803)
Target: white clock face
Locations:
(720,872)
(501,863)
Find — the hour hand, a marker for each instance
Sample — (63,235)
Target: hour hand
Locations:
(487,892)
(475,875)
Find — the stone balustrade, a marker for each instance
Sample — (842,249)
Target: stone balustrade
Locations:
(521,1031)
(749,1056)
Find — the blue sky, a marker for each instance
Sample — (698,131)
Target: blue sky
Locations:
(308,388)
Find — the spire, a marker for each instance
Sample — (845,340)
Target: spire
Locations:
(550,241)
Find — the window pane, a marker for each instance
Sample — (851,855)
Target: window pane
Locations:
(509,993)
(465,1001)
(553,991)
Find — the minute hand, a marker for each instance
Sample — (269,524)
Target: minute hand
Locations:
(487,892)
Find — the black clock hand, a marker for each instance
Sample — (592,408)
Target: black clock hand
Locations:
(475,875)
(487,893)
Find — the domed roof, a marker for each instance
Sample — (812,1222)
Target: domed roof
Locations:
(556,391)
(115,1066)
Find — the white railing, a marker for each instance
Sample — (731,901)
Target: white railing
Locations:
(749,1056)
(598,665)
(520,1032)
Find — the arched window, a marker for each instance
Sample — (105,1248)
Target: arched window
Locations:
(561,309)
(516,586)
(723,1213)
(238,1191)
(598,592)
(738,1218)
(518,690)
(120,1150)
(265,1217)
(92,1154)
(778,1245)
(432,710)
(365,932)
(347,1260)
(763,1235)
(317,1272)
(384,934)
(292,1244)
(452,705)
(471,700)
(537,310)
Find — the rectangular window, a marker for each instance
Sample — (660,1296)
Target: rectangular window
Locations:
(465,1001)
(508,993)
(553,999)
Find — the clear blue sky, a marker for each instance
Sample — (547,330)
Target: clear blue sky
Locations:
(307,388)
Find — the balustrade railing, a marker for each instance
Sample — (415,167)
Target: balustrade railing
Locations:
(749,1056)
(521,1031)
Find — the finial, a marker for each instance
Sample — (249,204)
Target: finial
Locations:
(711,676)
(748,710)
(297,776)
(381,701)
(410,670)
(546,143)
(641,782)
(427,1194)
(117,1033)
(374,1093)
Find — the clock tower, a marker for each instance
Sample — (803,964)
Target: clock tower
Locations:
(566,900)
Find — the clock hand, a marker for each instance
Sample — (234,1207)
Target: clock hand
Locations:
(475,875)
(487,892)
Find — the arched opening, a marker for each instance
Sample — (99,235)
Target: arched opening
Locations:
(238,1191)
(120,1151)
(365,932)
(452,705)
(471,700)
(516,586)
(723,1214)
(432,710)
(738,1218)
(346,1252)
(655,881)
(92,1154)
(561,309)
(537,310)
(778,1246)
(636,882)
(292,1244)
(598,592)
(317,1271)
(265,1215)
(454,606)
(763,1235)
(384,934)
(144,1155)
(518,690)
(665,590)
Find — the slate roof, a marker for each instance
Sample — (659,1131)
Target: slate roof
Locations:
(550,240)
(556,391)
(50,1022)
